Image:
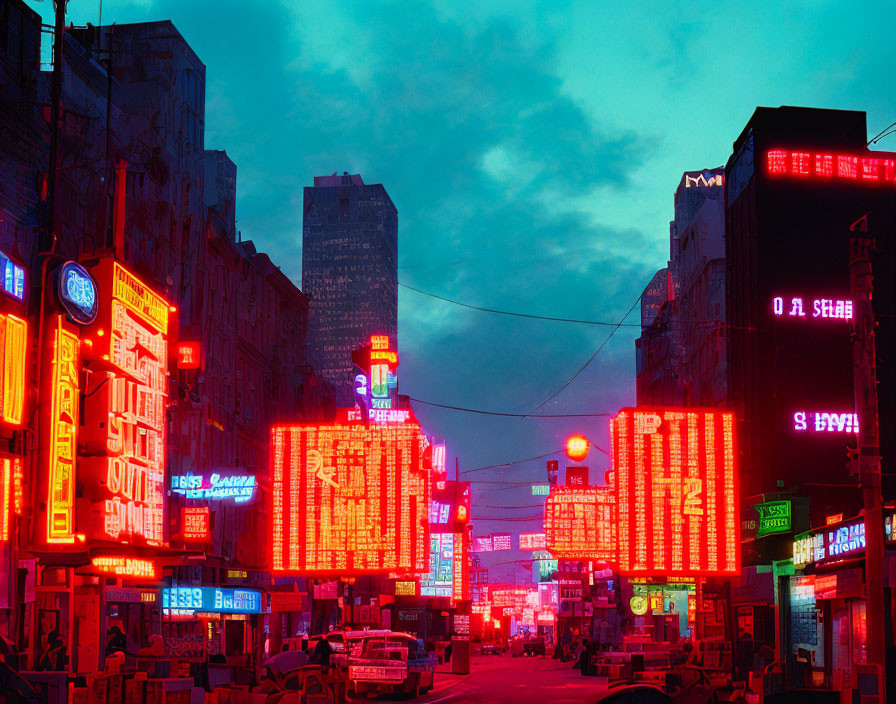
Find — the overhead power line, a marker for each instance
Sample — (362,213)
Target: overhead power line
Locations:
(506,464)
(590,359)
(515,314)
(510,415)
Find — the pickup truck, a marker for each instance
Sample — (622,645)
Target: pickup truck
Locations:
(391,663)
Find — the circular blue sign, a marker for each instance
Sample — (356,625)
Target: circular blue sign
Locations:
(77,292)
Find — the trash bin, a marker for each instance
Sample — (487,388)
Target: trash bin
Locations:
(460,656)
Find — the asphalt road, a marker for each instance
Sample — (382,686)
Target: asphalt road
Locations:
(495,679)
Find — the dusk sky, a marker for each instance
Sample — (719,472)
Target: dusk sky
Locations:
(532,150)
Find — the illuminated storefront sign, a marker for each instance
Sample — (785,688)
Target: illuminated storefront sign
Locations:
(7,489)
(77,293)
(405,589)
(188,355)
(350,499)
(239,487)
(638,605)
(676,492)
(63,436)
(440,579)
(125,566)
(195,523)
(701,180)
(482,543)
(541,489)
(824,308)
(237,574)
(126,485)
(439,459)
(439,513)
(532,541)
(502,541)
(879,167)
(774,517)
(831,544)
(13,278)
(579,523)
(190,600)
(379,415)
(13,345)
(460,572)
(824,422)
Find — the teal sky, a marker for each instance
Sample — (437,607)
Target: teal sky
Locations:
(532,150)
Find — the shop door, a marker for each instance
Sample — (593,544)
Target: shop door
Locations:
(234,642)
(841,649)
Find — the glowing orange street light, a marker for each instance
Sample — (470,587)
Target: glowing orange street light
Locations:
(577,447)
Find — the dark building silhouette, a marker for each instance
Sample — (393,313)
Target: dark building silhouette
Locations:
(349,273)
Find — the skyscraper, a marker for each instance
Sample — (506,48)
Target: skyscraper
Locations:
(349,272)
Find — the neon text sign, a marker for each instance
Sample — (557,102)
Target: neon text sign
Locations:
(825,422)
(532,541)
(502,541)
(13,344)
(239,487)
(77,293)
(125,566)
(189,600)
(823,308)
(63,436)
(195,523)
(877,167)
(578,523)
(13,278)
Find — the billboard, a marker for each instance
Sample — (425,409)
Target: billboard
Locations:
(579,523)
(532,541)
(440,579)
(675,491)
(350,498)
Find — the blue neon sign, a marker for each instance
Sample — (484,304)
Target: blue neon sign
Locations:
(211,600)
(77,292)
(239,487)
(13,278)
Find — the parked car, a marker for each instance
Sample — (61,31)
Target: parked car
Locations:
(534,646)
(635,694)
(390,663)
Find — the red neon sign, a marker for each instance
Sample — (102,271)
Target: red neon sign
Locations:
(188,355)
(676,492)
(823,308)
(579,523)
(125,566)
(195,523)
(350,499)
(13,341)
(126,482)
(871,167)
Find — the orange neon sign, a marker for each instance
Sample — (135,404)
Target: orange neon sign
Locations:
(63,436)
(13,343)
(6,498)
(195,523)
(125,566)
(129,488)
(579,523)
(350,498)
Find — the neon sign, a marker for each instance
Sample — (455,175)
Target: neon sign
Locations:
(701,180)
(482,544)
(188,355)
(77,292)
(541,489)
(439,513)
(239,487)
(824,308)
(532,541)
(579,523)
(865,168)
(13,278)
(676,492)
(125,566)
(7,481)
(830,545)
(128,482)
(189,600)
(774,517)
(439,581)
(195,523)
(13,343)
(369,513)
(823,422)
(405,589)
(502,541)
(63,436)
(381,415)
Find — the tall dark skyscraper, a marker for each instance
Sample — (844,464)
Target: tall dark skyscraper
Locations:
(349,272)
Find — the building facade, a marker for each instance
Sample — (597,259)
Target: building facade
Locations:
(349,273)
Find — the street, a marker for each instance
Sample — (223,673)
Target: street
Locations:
(501,678)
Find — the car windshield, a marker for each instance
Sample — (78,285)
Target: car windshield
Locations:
(389,648)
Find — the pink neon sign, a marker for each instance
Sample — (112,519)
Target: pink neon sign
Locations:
(871,167)
(825,422)
(798,307)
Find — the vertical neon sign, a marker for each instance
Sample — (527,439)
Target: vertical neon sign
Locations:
(63,436)
(13,337)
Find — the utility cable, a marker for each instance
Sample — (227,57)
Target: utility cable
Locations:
(514,314)
(591,359)
(506,464)
(511,415)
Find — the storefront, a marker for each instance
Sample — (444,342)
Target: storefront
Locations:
(661,610)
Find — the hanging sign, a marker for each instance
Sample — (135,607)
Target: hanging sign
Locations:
(77,292)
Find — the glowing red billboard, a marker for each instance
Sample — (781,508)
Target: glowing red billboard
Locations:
(350,498)
(579,523)
(676,492)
